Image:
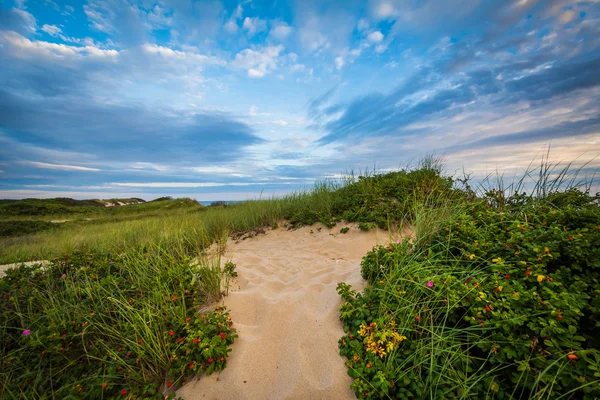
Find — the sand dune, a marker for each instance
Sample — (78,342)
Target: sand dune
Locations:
(286,314)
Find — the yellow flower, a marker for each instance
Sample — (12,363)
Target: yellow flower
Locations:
(481,295)
(524,262)
(540,278)
(470,256)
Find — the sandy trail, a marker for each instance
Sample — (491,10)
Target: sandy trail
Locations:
(286,314)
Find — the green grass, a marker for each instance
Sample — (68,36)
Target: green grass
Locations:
(463,232)
(494,292)
(99,324)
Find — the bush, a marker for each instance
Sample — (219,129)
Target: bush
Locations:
(101,326)
(390,198)
(365,226)
(21,228)
(500,302)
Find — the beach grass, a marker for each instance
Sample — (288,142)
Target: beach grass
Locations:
(490,296)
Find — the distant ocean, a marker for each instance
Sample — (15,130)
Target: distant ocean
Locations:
(208,203)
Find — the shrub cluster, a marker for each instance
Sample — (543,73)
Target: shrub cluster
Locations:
(501,302)
(101,326)
(381,200)
(21,228)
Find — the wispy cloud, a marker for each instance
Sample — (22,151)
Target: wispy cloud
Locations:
(60,167)
(193,98)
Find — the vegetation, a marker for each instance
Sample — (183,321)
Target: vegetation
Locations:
(22,228)
(97,325)
(55,206)
(494,297)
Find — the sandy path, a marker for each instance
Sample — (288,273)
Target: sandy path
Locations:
(15,265)
(286,314)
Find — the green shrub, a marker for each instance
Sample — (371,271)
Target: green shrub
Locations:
(365,226)
(344,230)
(501,302)
(390,198)
(101,326)
(21,228)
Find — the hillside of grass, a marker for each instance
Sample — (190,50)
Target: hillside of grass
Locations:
(56,206)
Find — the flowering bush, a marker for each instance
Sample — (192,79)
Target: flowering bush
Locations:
(500,302)
(100,326)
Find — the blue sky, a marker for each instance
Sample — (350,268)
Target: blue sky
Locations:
(229,99)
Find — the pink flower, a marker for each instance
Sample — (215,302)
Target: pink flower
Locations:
(430,284)
(63,276)
(397,242)
(26,332)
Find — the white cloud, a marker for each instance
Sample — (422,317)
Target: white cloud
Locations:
(152,166)
(375,37)
(254,25)
(99,21)
(281,31)
(21,47)
(339,62)
(258,63)
(51,30)
(380,48)
(230,27)
(53,4)
(213,170)
(28,19)
(177,55)
(310,36)
(68,10)
(237,14)
(1,172)
(297,67)
(355,52)
(60,167)
(178,184)
(384,10)
(362,25)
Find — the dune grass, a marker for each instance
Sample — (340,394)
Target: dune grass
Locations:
(490,297)
(493,297)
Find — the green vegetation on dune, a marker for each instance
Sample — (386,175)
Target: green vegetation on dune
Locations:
(96,325)
(493,296)
(37,207)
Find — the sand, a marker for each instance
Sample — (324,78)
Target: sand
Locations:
(15,265)
(286,313)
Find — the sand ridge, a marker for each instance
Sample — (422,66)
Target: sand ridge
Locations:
(286,314)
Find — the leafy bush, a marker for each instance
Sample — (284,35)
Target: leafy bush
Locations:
(20,228)
(344,230)
(380,199)
(105,326)
(500,302)
(365,226)
(389,198)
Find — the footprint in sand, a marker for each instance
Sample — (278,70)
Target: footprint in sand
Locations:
(286,313)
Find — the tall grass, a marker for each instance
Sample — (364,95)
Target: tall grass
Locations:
(439,357)
(110,323)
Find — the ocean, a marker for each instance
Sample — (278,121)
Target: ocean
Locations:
(208,203)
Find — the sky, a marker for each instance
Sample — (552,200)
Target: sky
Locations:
(230,100)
